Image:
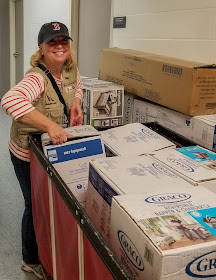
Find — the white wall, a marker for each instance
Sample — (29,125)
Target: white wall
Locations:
(37,13)
(179,28)
(94,34)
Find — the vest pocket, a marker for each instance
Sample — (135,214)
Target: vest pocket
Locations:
(55,114)
(23,136)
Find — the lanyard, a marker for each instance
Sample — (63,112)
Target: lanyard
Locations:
(55,86)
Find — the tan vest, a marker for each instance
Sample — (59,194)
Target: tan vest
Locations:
(48,104)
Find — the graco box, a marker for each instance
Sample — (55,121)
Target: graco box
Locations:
(133,139)
(166,235)
(119,175)
(200,129)
(195,164)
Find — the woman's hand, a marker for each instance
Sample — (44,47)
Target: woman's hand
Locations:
(76,117)
(56,133)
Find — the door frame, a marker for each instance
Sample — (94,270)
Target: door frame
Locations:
(111,24)
(75,4)
(12,7)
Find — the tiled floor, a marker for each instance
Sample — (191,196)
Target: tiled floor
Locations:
(11,208)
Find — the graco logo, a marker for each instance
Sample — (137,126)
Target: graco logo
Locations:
(163,170)
(130,250)
(168,198)
(79,186)
(203,267)
(150,134)
(180,164)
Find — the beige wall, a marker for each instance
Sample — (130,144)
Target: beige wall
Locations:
(183,29)
(4,47)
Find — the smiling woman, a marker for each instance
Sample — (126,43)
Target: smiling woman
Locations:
(55,53)
(48,98)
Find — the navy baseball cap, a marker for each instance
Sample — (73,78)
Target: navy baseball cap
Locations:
(51,30)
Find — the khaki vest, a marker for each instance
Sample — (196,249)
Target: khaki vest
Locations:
(48,104)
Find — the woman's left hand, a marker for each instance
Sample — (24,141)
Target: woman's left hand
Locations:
(76,117)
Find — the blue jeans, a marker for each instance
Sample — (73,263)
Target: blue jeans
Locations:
(29,244)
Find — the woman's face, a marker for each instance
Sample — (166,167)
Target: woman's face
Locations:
(56,51)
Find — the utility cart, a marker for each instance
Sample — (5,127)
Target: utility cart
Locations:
(70,246)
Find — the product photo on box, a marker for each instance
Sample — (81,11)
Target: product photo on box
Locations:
(102,103)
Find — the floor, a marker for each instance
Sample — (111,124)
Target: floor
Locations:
(11,209)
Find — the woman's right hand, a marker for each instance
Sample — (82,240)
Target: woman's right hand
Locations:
(57,134)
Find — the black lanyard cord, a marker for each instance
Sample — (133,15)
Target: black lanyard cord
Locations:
(55,86)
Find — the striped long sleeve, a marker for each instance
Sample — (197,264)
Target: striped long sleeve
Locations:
(19,101)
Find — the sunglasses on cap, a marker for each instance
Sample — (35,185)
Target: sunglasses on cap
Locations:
(63,41)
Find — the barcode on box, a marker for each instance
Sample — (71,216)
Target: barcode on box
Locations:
(210,105)
(149,256)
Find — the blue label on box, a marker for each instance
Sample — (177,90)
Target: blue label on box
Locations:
(75,151)
(207,218)
(197,153)
(105,191)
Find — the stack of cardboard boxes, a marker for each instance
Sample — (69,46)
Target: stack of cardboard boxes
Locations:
(153,203)
(160,222)
(183,92)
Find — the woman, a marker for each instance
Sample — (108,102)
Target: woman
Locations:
(35,105)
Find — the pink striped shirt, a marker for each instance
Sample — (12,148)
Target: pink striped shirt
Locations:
(20,99)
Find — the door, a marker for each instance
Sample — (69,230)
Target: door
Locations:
(16,41)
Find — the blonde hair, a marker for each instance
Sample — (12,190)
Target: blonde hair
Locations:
(36,58)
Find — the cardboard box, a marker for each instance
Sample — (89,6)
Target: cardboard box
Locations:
(204,131)
(206,158)
(166,235)
(185,86)
(200,129)
(102,103)
(71,160)
(134,139)
(75,131)
(194,164)
(201,155)
(145,112)
(119,175)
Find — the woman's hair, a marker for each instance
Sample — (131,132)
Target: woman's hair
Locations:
(37,57)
